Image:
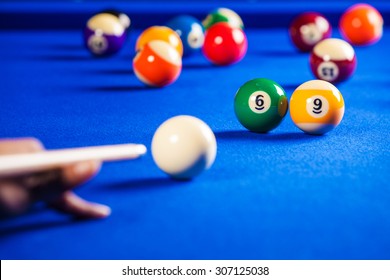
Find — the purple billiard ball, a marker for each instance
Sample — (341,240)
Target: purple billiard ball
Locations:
(122,17)
(104,34)
(307,29)
(333,60)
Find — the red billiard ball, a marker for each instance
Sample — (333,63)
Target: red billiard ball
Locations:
(307,29)
(361,24)
(157,64)
(224,44)
(333,60)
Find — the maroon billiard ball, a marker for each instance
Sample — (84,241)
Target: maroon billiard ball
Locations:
(333,60)
(307,29)
(224,44)
(104,34)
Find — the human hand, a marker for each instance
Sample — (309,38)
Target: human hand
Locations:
(54,187)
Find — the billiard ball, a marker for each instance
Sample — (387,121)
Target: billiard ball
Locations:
(308,29)
(333,60)
(316,107)
(224,44)
(184,146)
(190,31)
(163,33)
(223,15)
(122,17)
(157,64)
(361,24)
(260,105)
(104,35)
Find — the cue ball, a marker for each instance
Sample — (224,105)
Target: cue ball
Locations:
(333,60)
(307,29)
(260,105)
(104,35)
(316,107)
(224,44)
(184,146)
(361,24)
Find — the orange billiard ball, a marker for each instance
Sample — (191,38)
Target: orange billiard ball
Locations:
(361,24)
(316,107)
(162,33)
(157,64)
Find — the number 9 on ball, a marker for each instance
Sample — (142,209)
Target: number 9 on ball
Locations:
(316,107)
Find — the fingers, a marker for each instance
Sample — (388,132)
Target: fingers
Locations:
(51,184)
(44,185)
(14,199)
(54,188)
(68,202)
(16,194)
(79,173)
(20,146)
(72,204)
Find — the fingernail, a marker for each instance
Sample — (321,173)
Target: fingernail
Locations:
(83,169)
(102,211)
(79,169)
(78,173)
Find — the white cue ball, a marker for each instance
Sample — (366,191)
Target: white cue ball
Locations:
(184,146)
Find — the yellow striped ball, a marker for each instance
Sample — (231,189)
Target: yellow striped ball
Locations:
(316,107)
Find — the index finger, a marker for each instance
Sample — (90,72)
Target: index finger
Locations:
(20,146)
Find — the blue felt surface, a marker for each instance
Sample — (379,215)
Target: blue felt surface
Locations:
(281,195)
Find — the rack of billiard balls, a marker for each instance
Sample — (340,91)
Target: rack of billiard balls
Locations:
(260,105)
(159,49)
(316,106)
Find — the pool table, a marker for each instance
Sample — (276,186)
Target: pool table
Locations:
(278,195)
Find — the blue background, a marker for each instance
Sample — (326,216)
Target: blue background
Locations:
(281,195)
(257,14)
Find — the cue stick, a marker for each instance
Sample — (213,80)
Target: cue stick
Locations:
(17,164)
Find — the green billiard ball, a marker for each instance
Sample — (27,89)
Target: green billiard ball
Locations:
(260,105)
(223,15)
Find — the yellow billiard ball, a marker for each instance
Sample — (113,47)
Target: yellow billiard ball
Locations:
(162,33)
(316,107)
